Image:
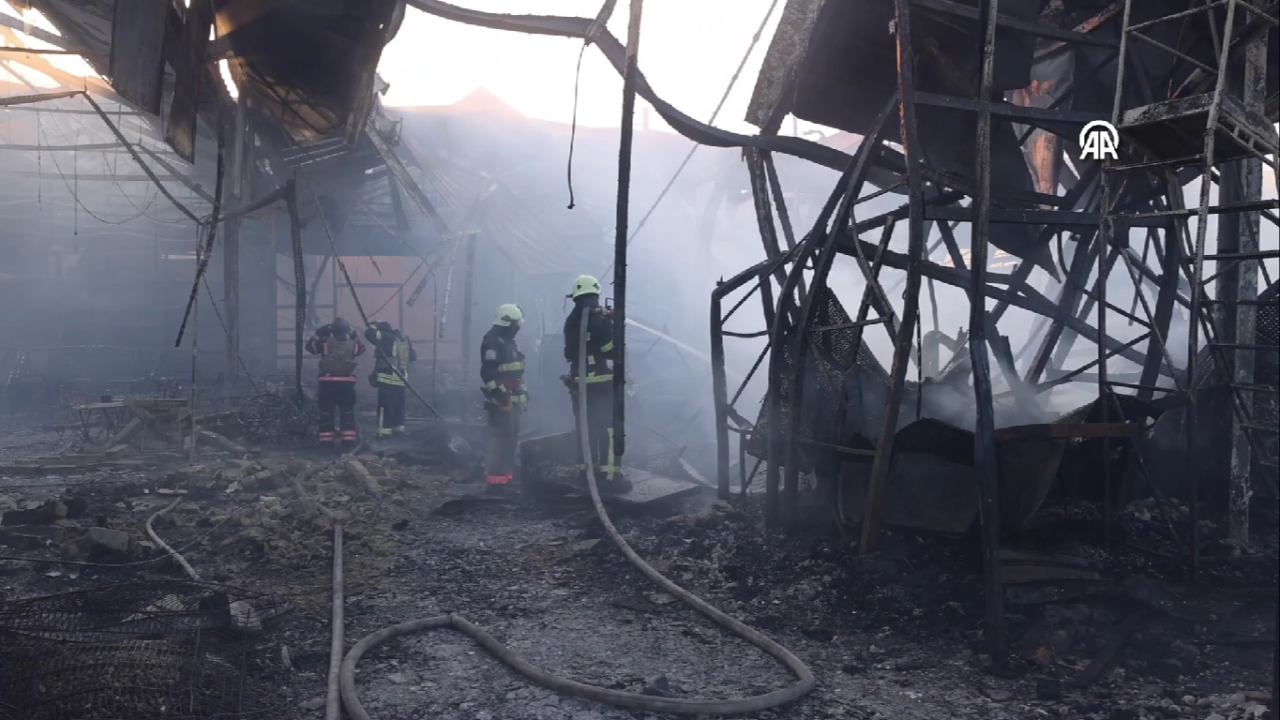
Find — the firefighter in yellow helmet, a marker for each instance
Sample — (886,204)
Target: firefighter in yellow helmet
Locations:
(390,373)
(506,396)
(598,373)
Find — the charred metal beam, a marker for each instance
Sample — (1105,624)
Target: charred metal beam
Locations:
(784,217)
(468,286)
(406,180)
(1078,372)
(799,340)
(39,33)
(720,392)
(1031,28)
(630,81)
(914,262)
(397,204)
(1029,216)
(872,281)
(231,238)
(1238,235)
(1157,348)
(756,173)
(145,168)
(1035,303)
(985,459)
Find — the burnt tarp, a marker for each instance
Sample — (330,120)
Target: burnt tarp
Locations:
(190,71)
(850,70)
(1083,457)
(1052,76)
(932,484)
(137,51)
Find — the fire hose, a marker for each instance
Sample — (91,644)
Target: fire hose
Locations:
(735,706)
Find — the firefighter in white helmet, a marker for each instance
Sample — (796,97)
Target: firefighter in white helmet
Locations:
(598,373)
(506,396)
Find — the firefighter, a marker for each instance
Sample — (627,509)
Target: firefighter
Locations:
(506,396)
(393,350)
(598,374)
(338,347)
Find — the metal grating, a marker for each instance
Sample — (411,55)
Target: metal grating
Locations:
(159,649)
(827,379)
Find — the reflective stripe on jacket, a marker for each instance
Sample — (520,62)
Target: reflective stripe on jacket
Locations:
(502,367)
(394,351)
(600,348)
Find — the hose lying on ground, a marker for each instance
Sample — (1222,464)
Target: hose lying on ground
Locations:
(177,556)
(805,679)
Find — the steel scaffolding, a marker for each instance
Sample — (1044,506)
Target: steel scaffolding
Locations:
(1095,208)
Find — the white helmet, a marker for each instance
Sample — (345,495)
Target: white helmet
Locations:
(508,315)
(585,285)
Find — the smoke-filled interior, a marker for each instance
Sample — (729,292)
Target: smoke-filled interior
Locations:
(192,201)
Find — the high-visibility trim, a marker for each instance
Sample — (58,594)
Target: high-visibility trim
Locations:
(611,465)
(492,384)
(606,347)
(337,378)
(349,435)
(328,436)
(498,479)
(384,432)
(511,366)
(390,379)
(599,378)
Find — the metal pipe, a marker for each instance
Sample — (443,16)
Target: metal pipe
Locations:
(720,392)
(986,461)
(915,252)
(620,240)
(333,695)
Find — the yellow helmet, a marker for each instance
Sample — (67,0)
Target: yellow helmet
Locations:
(508,315)
(585,285)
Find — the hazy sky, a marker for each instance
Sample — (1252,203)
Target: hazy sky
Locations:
(688,51)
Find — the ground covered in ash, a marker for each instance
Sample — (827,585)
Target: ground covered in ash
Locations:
(897,634)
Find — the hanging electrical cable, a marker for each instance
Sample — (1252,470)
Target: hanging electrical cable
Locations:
(602,17)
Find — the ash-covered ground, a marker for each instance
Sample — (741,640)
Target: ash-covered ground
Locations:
(897,634)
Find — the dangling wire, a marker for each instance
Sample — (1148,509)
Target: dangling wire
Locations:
(573,126)
(602,17)
(75,192)
(39,161)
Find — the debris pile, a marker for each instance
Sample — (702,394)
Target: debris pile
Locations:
(1089,630)
(282,510)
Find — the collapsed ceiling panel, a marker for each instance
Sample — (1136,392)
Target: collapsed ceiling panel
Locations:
(312,64)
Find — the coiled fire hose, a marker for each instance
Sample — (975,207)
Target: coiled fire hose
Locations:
(736,706)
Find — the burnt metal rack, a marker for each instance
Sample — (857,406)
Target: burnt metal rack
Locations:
(1180,120)
(989,101)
